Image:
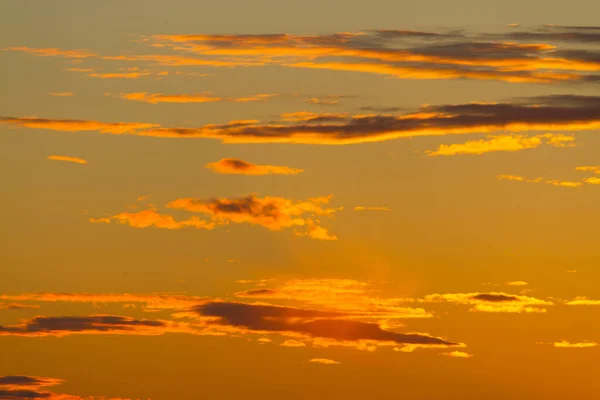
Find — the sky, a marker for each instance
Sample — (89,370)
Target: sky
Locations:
(300,200)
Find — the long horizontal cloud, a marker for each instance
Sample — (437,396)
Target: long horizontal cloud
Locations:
(241,167)
(21,387)
(507,56)
(402,54)
(155,98)
(492,302)
(75,160)
(503,143)
(348,295)
(92,324)
(543,113)
(274,213)
(312,323)
(149,302)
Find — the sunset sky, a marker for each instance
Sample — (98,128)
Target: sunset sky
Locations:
(299,199)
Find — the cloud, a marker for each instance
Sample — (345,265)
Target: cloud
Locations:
(362,208)
(578,345)
(517,283)
(61,94)
(502,143)
(241,167)
(17,306)
(348,295)
(583,301)
(75,160)
(492,302)
(53,52)
(458,354)
(589,168)
(151,218)
(274,213)
(331,325)
(24,381)
(559,183)
(92,324)
(401,54)
(592,180)
(74,125)
(292,343)
(20,387)
(323,361)
(544,113)
(150,302)
(155,98)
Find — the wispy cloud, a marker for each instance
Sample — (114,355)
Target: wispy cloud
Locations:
(326,361)
(577,345)
(503,143)
(75,160)
(241,167)
(206,97)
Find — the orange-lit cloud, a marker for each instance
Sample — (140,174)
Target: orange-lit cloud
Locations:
(502,143)
(559,183)
(592,180)
(241,167)
(74,125)
(379,52)
(458,354)
(323,361)
(492,302)
(548,113)
(583,301)
(151,218)
(155,98)
(75,160)
(362,208)
(21,387)
(589,168)
(150,302)
(332,327)
(53,52)
(517,283)
(346,295)
(578,345)
(292,343)
(274,213)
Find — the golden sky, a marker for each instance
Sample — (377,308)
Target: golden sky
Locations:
(299,200)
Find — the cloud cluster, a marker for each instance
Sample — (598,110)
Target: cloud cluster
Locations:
(335,326)
(274,213)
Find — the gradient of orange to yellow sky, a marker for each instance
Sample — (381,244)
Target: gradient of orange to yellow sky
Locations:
(299,200)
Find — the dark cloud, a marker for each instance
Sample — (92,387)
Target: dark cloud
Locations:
(494,298)
(24,380)
(40,326)
(321,324)
(20,394)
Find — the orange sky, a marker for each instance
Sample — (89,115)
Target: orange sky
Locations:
(299,200)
